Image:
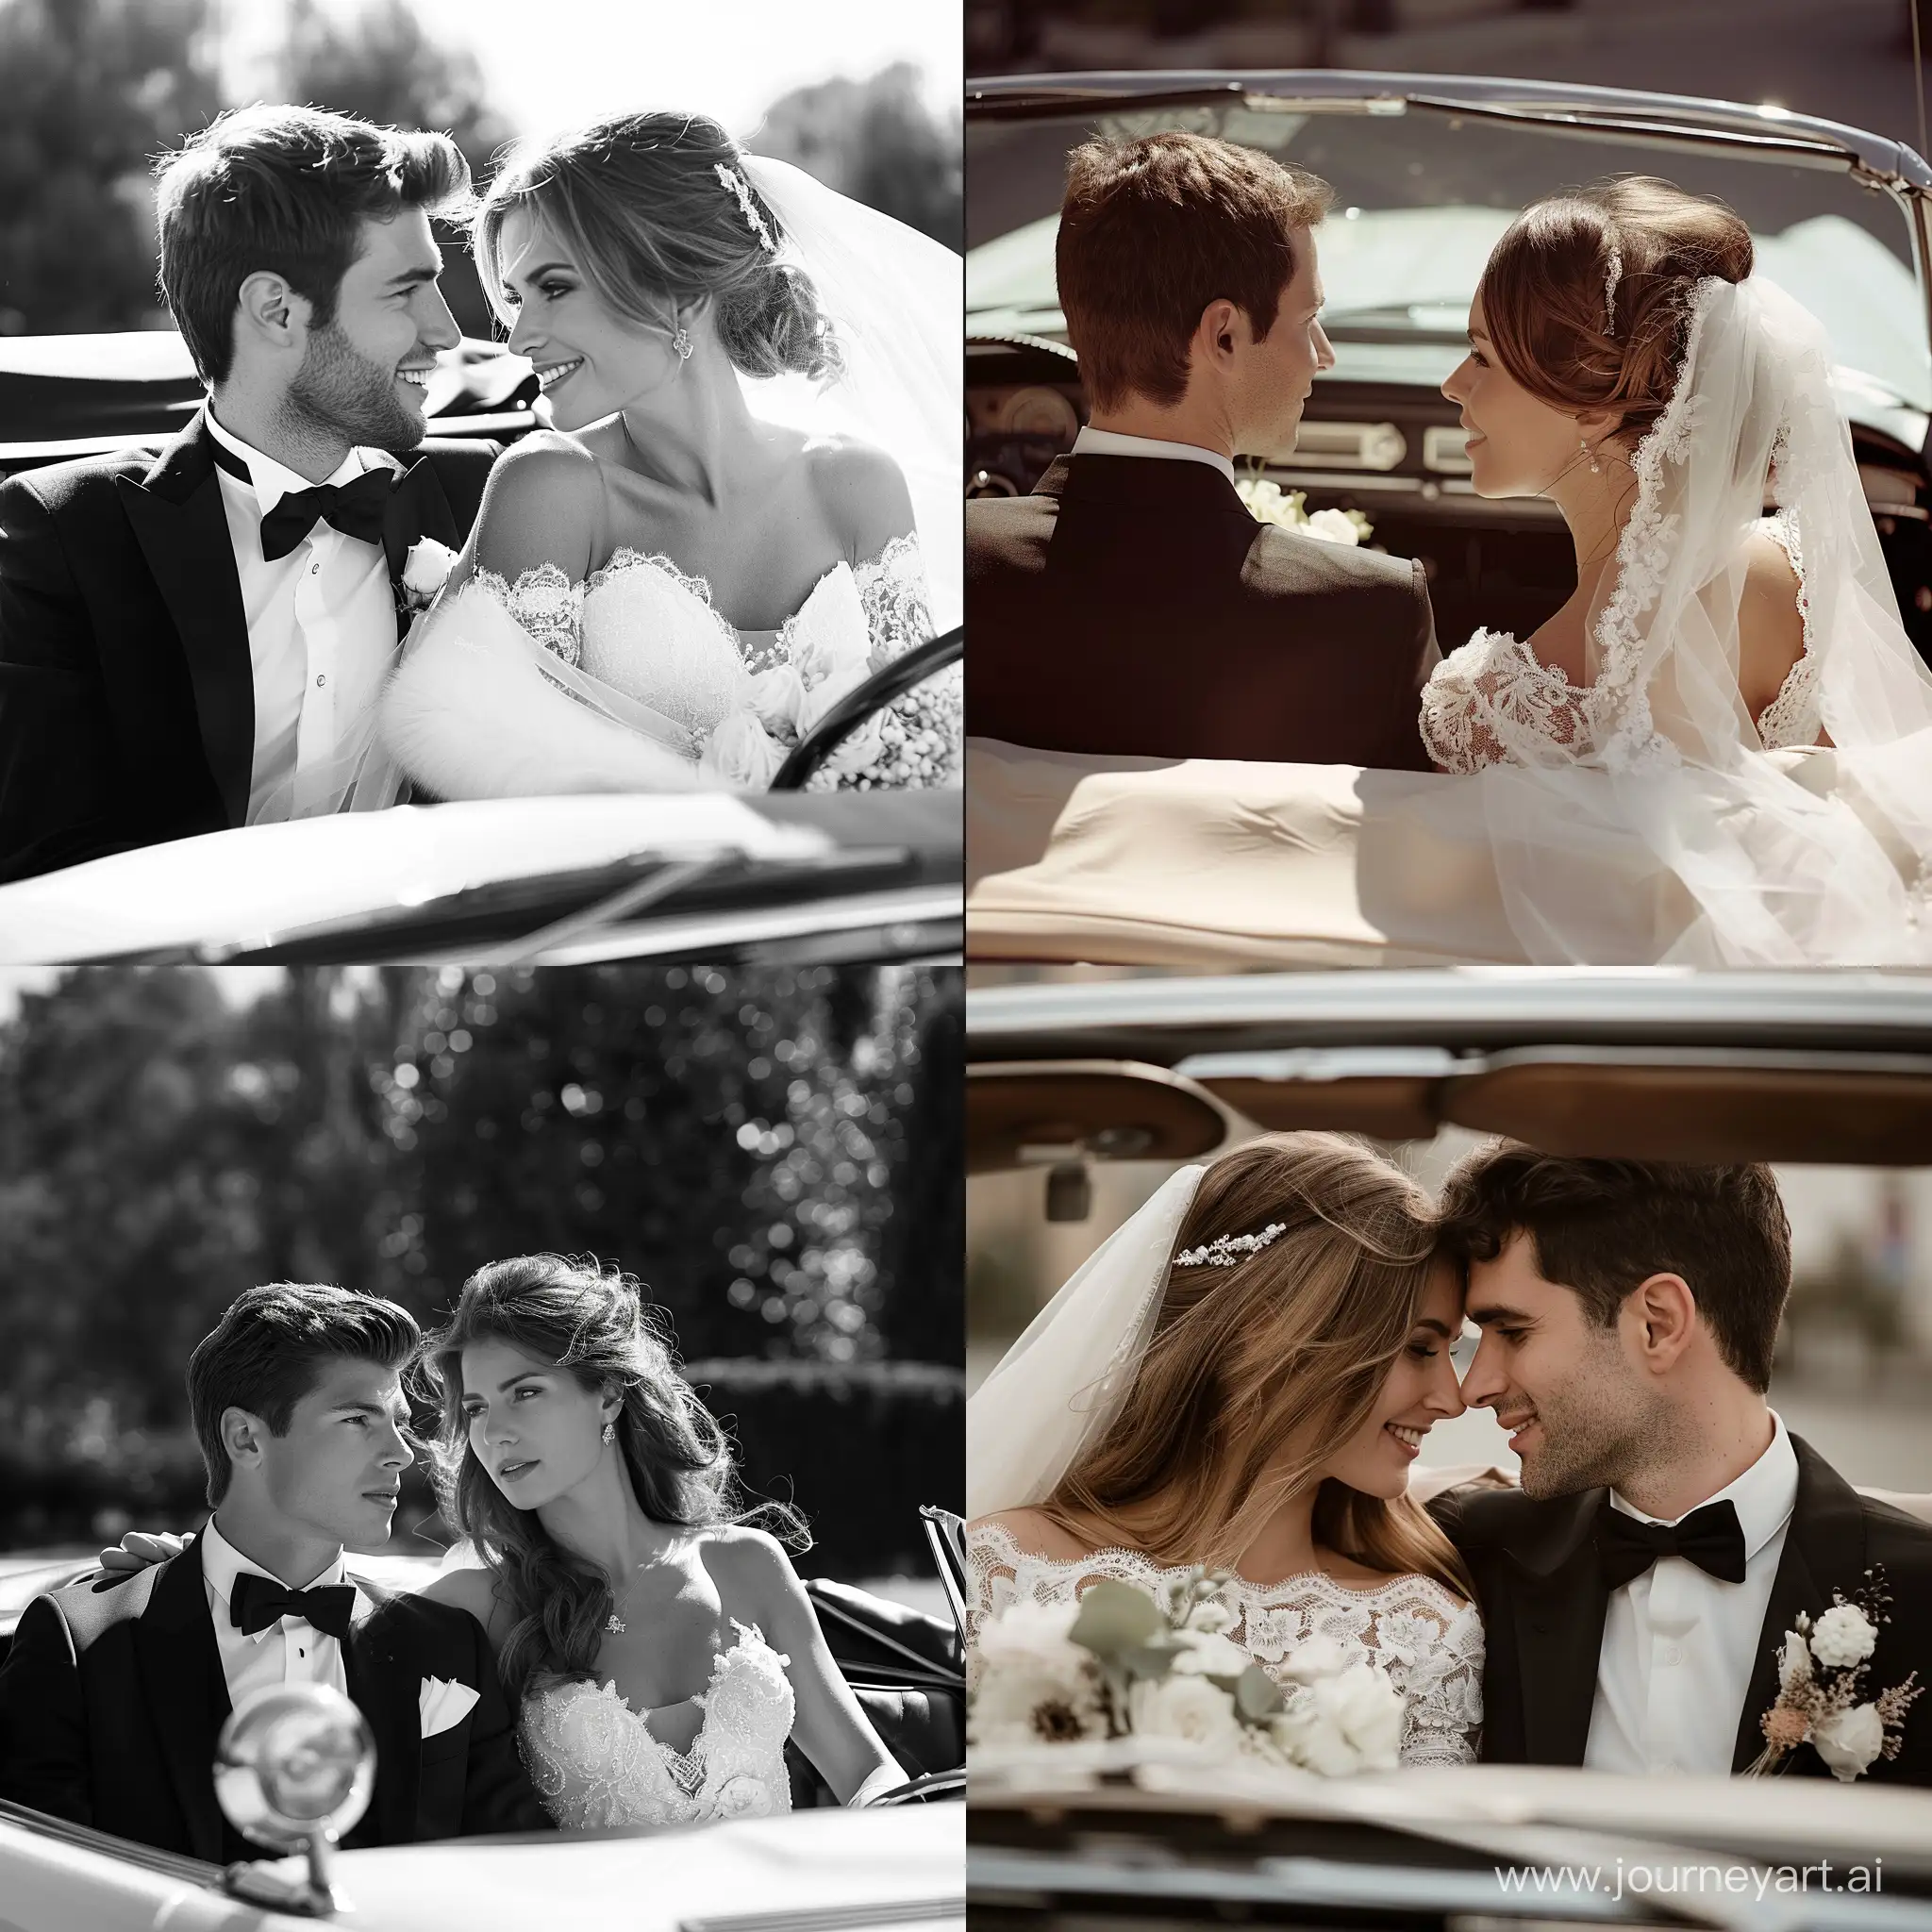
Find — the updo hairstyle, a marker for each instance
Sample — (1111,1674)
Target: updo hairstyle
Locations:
(641,205)
(1544,293)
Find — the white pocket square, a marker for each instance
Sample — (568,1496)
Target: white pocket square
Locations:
(442,1703)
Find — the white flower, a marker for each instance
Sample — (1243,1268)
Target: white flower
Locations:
(1312,1658)
(1208,1654)
(1843,1636)
(1850,1740)
(1187,1707)
(1794,1665)
(1342,1724)
(1333,527)
(1213,1617)
(425,568)
(1034,1685)
(778,697)
(740,755)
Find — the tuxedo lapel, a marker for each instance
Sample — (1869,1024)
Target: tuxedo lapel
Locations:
(383,1684)
(1558,1605)
(1825,1549)
(177,518)
(181,1674)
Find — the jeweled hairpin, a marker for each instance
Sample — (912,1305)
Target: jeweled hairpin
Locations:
(738,186)
(1225,1249)
(1613,274)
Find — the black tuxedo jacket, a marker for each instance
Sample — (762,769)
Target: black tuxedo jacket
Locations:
(112,1696)
(1541,1592)
(1134,607)
(127,692)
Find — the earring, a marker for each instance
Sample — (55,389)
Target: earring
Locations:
(611,1432)
(1596,469)
(681,342)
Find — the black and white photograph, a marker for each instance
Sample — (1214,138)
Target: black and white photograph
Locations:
(443,1405)
(409,404)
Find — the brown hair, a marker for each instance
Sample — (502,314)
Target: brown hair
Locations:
(1292,1343)
(1601,1228)
(284,190)
(267,1351)
(1151,232)
(642,204)
(1544,293)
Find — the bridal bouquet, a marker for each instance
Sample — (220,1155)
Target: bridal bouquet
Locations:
(1123,1662)
(1268,503)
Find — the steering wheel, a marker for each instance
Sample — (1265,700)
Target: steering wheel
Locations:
(856,709)
(936,1784)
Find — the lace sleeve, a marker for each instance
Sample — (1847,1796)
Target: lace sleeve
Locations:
(922,737)
(546,604)
(1435,1659)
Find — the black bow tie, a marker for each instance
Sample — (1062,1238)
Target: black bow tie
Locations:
(257,1602)
(1711,1538)
(356,508)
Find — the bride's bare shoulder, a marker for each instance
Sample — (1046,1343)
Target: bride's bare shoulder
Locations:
(1035,1534)
(544,504)
(862,491)
(1771,624)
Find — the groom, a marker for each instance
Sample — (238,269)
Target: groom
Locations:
(116,1689)
(1132,604)
(188,639)
(1668,1530)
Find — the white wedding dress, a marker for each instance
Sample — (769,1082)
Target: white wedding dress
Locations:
(594,1762)
(1428,1641)
(633,680)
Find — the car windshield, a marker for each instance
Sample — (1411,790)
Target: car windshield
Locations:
(1421,197)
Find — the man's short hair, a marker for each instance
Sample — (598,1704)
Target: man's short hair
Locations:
(268,1350)
(1153,230)
(1601,1228)
(284,190)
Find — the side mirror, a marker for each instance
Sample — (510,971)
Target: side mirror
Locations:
(294,1768)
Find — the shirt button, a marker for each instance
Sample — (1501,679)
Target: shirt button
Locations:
(315,568)
(1673,1655)
(322,680)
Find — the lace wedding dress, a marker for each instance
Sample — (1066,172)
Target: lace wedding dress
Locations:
(1428,1641)
(594,1762)
(633,680)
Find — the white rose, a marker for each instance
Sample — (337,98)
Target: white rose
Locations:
(1208,1654)
(1342,1724)
(778,697)
(1332,526)
(741,756)
(1186,1706)
(1312,1657)
(1849,1742)
(426,566)
(1843,1636)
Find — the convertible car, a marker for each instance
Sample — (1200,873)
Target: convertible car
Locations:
(1128,860)
(818,1869)
(1082,1094)
(795,874)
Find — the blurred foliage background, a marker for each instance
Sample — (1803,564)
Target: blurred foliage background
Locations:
(777,1154)
(97,89)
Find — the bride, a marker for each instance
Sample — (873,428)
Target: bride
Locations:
(1717,752)
(662,1650)
(709,551)
(1239,1378)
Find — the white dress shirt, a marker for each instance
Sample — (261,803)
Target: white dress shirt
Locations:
(1679,1644)
(322,631)
(289,1651)
(1115,442)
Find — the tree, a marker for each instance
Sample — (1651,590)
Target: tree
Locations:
(876,141)
(95,89)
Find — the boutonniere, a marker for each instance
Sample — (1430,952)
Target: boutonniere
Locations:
(1820,1700)
(424,573)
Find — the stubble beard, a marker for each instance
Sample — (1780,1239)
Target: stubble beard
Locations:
(1597,1432)
(341,393)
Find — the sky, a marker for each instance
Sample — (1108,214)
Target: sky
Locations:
(562,63)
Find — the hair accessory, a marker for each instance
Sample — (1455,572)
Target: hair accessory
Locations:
(737,184)
(611,1432)
(1225,1250)
(1613,274)
(681,342)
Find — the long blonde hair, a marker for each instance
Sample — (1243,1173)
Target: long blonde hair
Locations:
(1290,1345)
